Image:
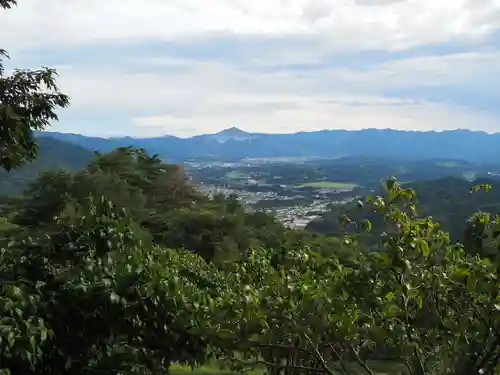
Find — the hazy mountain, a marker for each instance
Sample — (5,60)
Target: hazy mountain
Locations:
(468,145)
(53,153)
(231,134)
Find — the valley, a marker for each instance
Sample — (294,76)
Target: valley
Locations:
(298,190)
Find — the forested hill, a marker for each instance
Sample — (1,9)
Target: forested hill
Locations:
(448,200)
(53,154)
(166,207)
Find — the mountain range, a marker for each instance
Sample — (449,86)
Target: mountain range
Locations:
(233,143)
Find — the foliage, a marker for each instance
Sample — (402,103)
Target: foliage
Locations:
(449,201)
(7,4)
(28,100)
(102,300)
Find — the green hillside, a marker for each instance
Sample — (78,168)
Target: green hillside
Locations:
(53,154)
(448,201)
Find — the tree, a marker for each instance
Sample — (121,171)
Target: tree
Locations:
(7,4)
(28,100)
(48,194)
(93,299)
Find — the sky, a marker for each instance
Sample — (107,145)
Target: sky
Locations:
(184,67)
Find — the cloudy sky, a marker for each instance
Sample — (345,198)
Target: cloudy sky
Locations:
(185,67)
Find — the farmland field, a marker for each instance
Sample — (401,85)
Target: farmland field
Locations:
(211,369)
(329,185)
(448,164)
(386,368)
(236,175)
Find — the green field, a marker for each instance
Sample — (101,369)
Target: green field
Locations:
(5,225)
(205,370)
(385,368)
(448,164)
(235,175)
(329,185)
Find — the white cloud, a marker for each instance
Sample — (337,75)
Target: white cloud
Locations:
(200,82)
(350,24)
(313,115)
(459,69)
(209,96)
(249,87)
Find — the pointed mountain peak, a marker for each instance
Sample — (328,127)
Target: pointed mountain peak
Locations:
(233,134)
(233,131)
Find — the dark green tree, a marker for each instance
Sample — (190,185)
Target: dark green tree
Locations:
(93,299)
(28,100)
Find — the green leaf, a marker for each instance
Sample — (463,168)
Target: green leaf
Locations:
(423,247)
(390,296)
(471,282)
(32,340)
(419,301)
(367,225)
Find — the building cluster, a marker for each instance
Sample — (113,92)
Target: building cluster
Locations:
(293,216)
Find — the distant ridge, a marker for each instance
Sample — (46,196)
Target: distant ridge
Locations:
(474,146)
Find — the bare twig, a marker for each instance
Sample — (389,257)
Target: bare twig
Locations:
(408,366)
(360,361)
(319,355)
(345,370)
(278,366)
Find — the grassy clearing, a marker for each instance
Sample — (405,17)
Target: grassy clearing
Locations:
(329,185)
(236,175)
(378,369)
(448,164)
(5,225)
(205,370)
